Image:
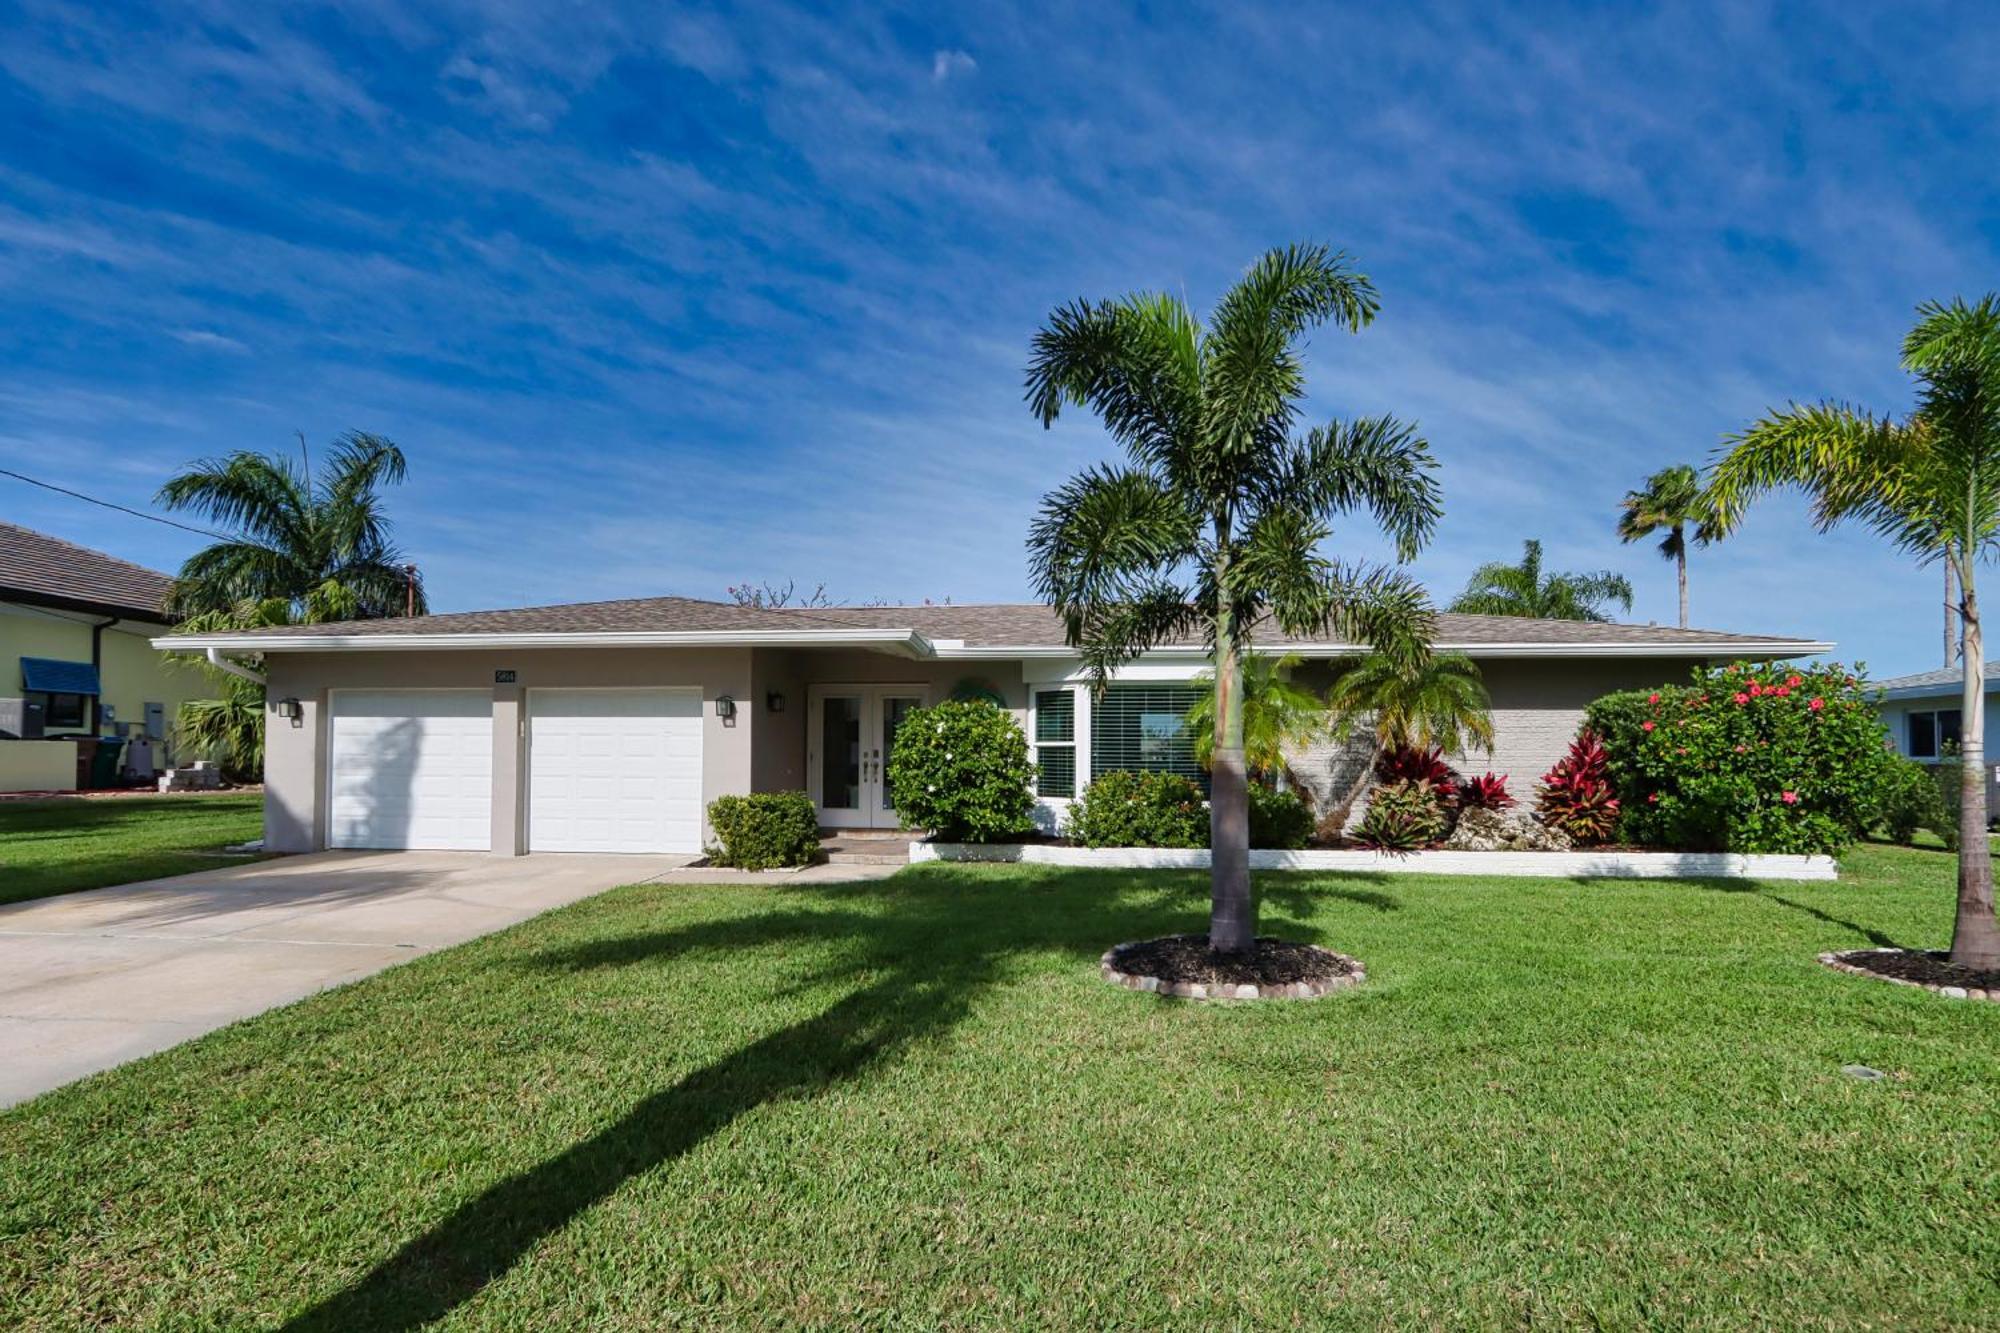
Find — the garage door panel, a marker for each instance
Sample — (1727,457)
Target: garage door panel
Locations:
(411,769)
(614,770)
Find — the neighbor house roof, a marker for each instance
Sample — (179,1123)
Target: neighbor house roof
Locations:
(994,631)
(1928,684)
(47,571)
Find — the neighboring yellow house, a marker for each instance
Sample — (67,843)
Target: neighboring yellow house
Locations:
(75,665)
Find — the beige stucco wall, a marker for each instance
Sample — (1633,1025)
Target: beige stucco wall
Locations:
(131,673)
(294,752)
(37,765)
(1537,708)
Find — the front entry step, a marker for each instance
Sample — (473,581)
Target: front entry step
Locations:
(867,847)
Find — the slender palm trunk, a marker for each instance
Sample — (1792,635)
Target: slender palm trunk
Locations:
(1975,936)
(1950,636)
(1681,571)
(1232,924)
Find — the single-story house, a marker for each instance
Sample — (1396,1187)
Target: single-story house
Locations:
(1924,717)
(77,662)
(608,726)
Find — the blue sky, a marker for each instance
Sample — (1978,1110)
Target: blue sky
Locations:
(668,298)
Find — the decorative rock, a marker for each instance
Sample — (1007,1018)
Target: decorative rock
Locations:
(1954,992)
(1842,962)
(1483,830)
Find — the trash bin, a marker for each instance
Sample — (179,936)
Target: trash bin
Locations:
(104,763)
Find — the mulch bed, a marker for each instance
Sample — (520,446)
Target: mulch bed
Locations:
(1185,967)
(1932,970)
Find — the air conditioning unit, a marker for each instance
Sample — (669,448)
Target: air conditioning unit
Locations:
(21,719)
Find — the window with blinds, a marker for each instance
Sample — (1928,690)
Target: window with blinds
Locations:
(1144,727)
(1055,743)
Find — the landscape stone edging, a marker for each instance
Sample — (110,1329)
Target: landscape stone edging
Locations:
(1224,990)
(1838,962)
(1586,863)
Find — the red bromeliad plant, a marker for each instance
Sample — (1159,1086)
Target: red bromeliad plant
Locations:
(1485,793)
(1416,763)
(1577,796)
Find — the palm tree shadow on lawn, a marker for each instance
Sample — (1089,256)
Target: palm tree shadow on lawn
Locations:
(923,948)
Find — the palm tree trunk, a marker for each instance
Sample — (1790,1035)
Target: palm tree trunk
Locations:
(1232,924)
(1681,571)
(1975,936)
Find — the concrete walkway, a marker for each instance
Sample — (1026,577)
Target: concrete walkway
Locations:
(91,980)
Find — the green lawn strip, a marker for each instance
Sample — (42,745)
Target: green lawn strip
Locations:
(912,1103)
(66,844)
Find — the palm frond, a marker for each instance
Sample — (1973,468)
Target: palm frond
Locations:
(1376,463)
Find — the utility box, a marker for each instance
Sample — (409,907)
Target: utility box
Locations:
(21,719)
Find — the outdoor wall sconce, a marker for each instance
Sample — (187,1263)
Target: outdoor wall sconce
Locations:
(774,702)
(291,710)
(725,708)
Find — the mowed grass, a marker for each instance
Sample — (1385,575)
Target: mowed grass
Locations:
(913,1104)
(70,843)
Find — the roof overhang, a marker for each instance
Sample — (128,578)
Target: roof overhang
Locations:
(903,642)
(1759,648)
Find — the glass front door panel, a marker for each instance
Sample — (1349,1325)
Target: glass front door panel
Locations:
(840,752)
(894,709)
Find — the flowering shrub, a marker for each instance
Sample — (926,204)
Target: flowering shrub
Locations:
(1125,809)
(1577,796)
(1747,758)
(1484,793)
(1403,816)
(961,770)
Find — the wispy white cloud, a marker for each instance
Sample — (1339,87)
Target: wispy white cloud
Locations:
(208,338)
(947,64)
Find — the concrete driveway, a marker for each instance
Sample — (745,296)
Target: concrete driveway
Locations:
(91,980)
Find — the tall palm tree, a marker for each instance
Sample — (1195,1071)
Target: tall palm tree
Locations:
(322,544)
(1930,483)
(1217,521)
(1278,715)
(1526,590)
(1671,502)
(1440,701)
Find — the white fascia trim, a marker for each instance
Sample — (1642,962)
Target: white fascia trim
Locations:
(1754,648)
(907,640)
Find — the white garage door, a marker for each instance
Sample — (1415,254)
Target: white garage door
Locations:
(614,770)
(411,769)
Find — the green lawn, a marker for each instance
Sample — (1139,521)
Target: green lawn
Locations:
(913,1104)
(71,843)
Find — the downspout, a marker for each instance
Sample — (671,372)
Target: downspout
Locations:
(221,663)
(97,669)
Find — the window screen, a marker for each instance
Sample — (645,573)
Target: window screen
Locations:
(1055,743)
(1144,727)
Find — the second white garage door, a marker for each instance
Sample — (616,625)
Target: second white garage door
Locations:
(614,770)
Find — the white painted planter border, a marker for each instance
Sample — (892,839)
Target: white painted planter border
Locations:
(1557,865)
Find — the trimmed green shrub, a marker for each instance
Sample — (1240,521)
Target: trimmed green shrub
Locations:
(1750,757)
(1403,816)
(1125,809)
(960,769)
(1577,796)
(1911,796)
(764,830)
(1278,818)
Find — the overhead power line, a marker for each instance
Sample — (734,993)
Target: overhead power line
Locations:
(91,499)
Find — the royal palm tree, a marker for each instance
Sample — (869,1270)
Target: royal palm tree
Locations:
(1671,502)
(1215,525)
(1441,701)
(1278,715)
(322,545)
(1526,590)
(1930,483)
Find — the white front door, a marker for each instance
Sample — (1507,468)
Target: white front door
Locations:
(850,739)
(614,770)
(410,769)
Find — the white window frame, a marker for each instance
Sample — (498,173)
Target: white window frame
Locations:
(1050,809)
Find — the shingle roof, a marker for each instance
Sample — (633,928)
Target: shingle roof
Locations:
(47,569)
(1009,625)
(1945,680)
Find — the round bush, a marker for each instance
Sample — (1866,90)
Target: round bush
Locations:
(1278,818)
(764,830)
(1123,809)
(1910,797)
(961,770)
(1750,757)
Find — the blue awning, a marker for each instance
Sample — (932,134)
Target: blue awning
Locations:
(46,675)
